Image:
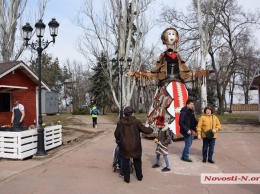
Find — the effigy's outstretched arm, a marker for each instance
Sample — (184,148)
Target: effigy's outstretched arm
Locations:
(187,75)
(159,72)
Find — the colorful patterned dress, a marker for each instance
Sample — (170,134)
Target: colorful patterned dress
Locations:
(171,94)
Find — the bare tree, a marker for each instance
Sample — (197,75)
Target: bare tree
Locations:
(228,27)
(144,90)
(118,31)
(234,29)
(248,63)
(204,39)
(78,83)
(11,12)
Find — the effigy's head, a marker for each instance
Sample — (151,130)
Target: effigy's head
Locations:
(170,37)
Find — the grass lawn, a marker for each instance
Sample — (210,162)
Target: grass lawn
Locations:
(53,119)
(243,118)
(226,118)
(115,117)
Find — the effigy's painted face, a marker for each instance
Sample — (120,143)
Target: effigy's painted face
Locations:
(171,37)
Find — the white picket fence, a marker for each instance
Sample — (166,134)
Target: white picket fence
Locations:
(20,145)
(52,136)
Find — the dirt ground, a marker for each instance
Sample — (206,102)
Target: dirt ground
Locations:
(67,119)
(229,128)
(76,166)
(70,136)
(73,138)
(87,158)
(64,119)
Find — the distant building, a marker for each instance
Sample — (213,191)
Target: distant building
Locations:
(255,85)
(18,81)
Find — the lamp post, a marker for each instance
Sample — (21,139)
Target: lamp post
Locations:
(39,45)
(230,103)
(121,71)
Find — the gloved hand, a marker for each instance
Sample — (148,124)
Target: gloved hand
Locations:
(155,140)
(20,124)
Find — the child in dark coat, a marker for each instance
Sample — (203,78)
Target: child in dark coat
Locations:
(164,139)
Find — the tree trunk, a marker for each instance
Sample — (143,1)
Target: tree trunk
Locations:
(117,31)
(204,46)
(10,13)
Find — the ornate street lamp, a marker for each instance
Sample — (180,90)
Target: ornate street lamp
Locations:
(121,71)
(230,103)
(39,46)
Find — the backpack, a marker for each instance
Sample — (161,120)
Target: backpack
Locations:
(94,111)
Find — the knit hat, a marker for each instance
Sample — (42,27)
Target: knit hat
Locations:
(128,111)
(160,121)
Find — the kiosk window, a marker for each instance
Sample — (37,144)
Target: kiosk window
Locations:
(5,102)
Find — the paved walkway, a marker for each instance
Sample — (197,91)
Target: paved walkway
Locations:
(87,168)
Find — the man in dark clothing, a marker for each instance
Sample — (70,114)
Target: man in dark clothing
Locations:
(18,114)
(128,133)
(188,123)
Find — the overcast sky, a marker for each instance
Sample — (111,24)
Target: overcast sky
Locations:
(65,11)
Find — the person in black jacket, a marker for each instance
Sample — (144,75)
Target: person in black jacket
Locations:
(128,134)
(18,114)
(188,123)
